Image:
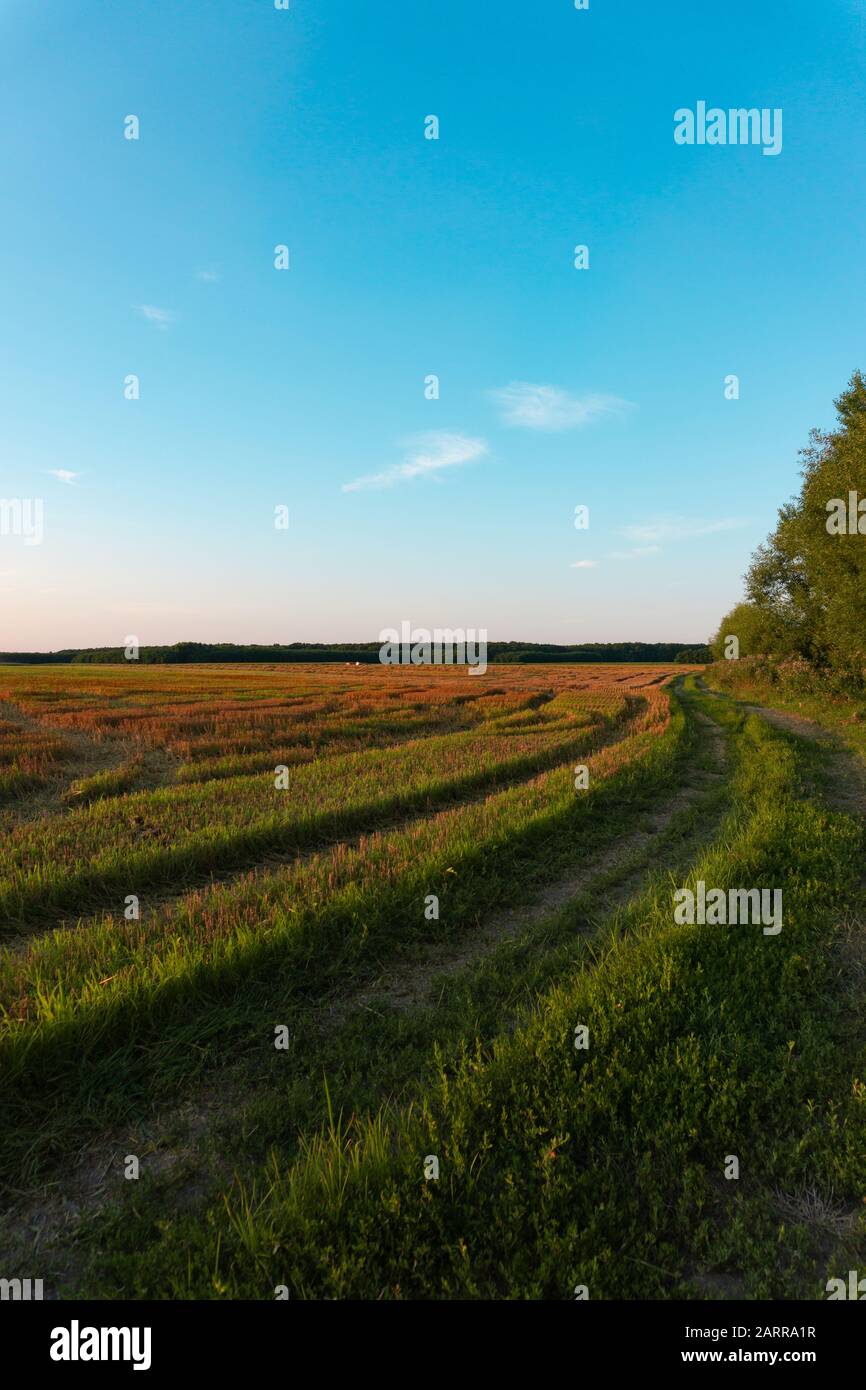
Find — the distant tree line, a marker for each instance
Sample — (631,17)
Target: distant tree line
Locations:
(694,656)
(806,586)
(503,652)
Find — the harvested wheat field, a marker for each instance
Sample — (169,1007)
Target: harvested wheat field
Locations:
(305,968)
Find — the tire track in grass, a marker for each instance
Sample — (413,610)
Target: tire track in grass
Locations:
(407,989)
(263,848)
(679,1013)
(710,1283)
(846,789)
(175,1146)
(172,1006)
(831,1223)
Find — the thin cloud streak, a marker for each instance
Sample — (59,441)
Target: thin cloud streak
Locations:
(153,314)
(537,407)
(430,454)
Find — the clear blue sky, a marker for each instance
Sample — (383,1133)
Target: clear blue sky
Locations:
(411,257)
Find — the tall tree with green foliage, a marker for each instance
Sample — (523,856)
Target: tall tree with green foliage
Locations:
(751,627)
(809,579)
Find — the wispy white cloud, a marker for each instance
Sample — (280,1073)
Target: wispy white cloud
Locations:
(677,528)
(208,275)
(62,475)
(429,454)
(161,317)
(584,565)
(535,407)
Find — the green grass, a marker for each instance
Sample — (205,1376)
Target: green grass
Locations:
(100,786)
(105,1013)
(762,682)
(606,1167)
(558,1168)
(28,761)
(16,783)
(172,836)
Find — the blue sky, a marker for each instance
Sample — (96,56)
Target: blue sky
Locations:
(410,257)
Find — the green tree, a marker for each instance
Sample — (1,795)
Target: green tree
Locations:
(809,579)
(748,623)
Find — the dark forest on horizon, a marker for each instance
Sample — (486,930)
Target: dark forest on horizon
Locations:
(365,652)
